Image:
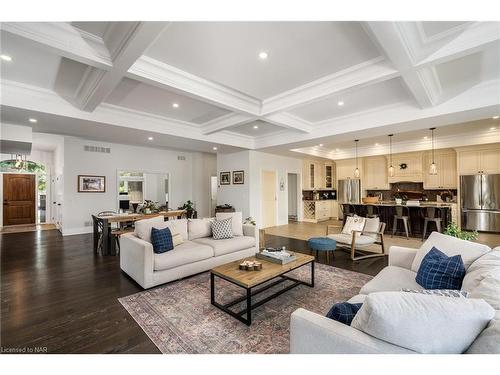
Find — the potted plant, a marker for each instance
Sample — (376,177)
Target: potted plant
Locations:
(189,208)
(400,197)
(453,230)
(150,207)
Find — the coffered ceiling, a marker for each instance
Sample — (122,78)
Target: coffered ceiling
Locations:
(275,86)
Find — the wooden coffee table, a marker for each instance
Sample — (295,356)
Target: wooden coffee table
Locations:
(249,280)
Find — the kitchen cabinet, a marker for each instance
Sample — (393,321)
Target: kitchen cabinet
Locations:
(446,177)
(323,209)
(334,209)
(345,168)
(317,175)
(375,173)
(407,167)
(485,161)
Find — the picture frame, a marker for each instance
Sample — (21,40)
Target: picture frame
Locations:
(238,177)
(91,184)
(225,178)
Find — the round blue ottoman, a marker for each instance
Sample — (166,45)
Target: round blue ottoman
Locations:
(322,244)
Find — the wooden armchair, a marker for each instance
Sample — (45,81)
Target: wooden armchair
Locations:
(359,239)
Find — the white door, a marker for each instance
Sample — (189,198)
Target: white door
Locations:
(213,195)
(268,208)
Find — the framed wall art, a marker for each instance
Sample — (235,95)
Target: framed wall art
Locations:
(91,184)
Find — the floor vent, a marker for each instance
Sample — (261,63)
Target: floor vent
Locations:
(103,150)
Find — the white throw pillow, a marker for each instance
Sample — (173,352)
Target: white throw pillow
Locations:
(354,223)
(371,225)
(426,324)
(180,225)
(469,251)
(199,228)
(236,221)
(142,228)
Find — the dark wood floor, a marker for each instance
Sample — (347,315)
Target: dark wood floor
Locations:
(56,294)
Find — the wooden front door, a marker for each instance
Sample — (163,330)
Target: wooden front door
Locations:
(18,199)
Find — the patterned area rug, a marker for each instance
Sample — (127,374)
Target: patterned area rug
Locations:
(179,318)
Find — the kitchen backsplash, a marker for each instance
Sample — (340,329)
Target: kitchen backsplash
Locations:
(414,190)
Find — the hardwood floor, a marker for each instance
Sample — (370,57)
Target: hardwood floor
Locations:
(56,294)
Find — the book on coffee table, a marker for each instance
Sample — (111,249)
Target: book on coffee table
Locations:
(279,257)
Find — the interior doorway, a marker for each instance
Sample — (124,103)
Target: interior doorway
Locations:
(293,207)
(269,200)
(19,199)
(213,195)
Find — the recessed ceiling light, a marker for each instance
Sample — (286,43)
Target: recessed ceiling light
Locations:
(175,105)
(33,120)
(495,117)
(256,126)
(150,138)
(493,128)
(426,137)
(5,57)
(214,148)
(263,55)
(320,145)
(337,149)
(340,103)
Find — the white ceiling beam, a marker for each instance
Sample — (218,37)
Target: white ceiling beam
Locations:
(226,122)
(289,121)
(364,74)
(162,75)
(476,38)
(64,40)
(127,42)
(395,45)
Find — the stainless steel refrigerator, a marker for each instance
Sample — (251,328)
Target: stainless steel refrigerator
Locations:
(480,201)
(348,191)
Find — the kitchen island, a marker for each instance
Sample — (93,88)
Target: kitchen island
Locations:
(387,210)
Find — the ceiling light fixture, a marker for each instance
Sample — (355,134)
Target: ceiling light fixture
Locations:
(33,120)
(426,137)
(150,138)
(5,57)
(356,171)
(175,105)
(256,126)
(432,167)
(495,117)
(320,145)
(214,148)
(377,144)
(340,103)
(263,55)
(391,168)
(493,128)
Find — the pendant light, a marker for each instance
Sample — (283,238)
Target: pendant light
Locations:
(356,171)
(391,168)
(432,167)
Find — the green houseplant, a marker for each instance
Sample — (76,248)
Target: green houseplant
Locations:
(189,207)
(453,230)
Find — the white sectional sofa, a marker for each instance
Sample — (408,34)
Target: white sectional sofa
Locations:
(196,254)
(313,333)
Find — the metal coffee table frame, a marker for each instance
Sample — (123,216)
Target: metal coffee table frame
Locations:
(250,292)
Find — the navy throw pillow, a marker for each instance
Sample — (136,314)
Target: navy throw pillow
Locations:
(344,312)
(161,239)
(439,271)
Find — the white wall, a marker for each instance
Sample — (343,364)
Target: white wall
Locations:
(204,166)
(78,207)
(236,195)
(247,197)
(282,165)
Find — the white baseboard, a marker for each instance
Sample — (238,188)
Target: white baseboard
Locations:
(74,231)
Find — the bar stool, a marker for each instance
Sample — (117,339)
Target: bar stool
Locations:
(434,215)
(402,213)
(347,210)
(372,211)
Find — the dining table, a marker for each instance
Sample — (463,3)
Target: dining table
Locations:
(103,233)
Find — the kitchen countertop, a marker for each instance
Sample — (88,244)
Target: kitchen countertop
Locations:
(393,204)
(317,200)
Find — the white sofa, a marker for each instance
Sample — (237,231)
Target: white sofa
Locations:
(313,333)
(148,269)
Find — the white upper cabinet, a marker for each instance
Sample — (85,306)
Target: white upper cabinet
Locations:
(345,168)
(479,161)
(375,173)
(407,167)
(317,175)
(446,177)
